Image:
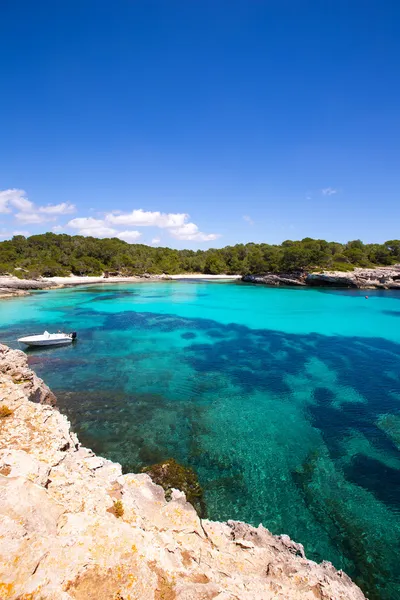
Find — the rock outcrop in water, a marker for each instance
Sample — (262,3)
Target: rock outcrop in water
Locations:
(73,527)
(171,475)
(379,278)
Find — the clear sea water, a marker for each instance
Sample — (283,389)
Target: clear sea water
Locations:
(286,402)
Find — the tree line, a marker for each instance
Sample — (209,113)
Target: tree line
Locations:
(52,255)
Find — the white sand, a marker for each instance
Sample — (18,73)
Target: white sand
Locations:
(78,280)
(202,276)
(82,280)
(12,286)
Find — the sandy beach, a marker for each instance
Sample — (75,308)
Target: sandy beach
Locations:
(77,280)
(202,276)
(12,286)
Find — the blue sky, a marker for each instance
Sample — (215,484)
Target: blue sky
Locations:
(200,123)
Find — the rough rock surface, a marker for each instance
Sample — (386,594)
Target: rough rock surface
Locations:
(12,286)
(276,279)
(61,538)
(380,278)
(9,293)
(14,363)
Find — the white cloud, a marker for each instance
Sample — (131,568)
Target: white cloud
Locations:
(27,211)
(16,202)
(128,236)
(21,203)
(8,234)
(248,219)
(81,222)
(176,223)
(329,191)
(92,227)
(190,231)
(14,198)
(99,232)
(31,217)
(58,209)
(143,218)
(24,233)
(99,228)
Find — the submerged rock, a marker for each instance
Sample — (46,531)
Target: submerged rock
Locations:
(171,475)
(72,527)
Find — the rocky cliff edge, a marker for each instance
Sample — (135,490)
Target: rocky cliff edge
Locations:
(385,278)
(73,527)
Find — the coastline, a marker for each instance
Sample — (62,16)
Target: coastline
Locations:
(73,526)
(12,286)
(205,277)
(385,278)
(74,280)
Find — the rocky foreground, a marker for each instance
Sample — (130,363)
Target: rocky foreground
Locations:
(386,278)
(73,527)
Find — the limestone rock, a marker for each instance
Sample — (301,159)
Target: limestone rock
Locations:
(380,277)
(61,538)
(277,279)
(14,363)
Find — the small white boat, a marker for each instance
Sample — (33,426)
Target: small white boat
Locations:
(48,339)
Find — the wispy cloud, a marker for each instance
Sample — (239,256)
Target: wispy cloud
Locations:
(248,219)
(4,233)
(28,212)
(143,218)
(329,191)
(24,233)
(58,209)
(32,217)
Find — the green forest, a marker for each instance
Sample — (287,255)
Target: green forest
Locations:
(52,255)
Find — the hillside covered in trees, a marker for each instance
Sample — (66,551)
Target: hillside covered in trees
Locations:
(50,255)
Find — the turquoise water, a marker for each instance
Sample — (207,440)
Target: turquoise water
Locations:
(286,402)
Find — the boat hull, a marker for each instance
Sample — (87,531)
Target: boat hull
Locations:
(63,342)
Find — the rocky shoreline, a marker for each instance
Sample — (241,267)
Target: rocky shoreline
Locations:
(386,278)
(73,527)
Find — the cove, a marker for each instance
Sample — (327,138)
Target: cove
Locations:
(285,402)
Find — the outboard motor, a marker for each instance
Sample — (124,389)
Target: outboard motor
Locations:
(74,335)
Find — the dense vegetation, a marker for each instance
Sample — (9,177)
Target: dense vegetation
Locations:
(50,255)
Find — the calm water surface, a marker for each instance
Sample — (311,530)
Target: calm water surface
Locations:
(286,402)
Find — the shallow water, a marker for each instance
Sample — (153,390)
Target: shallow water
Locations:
(286,402)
